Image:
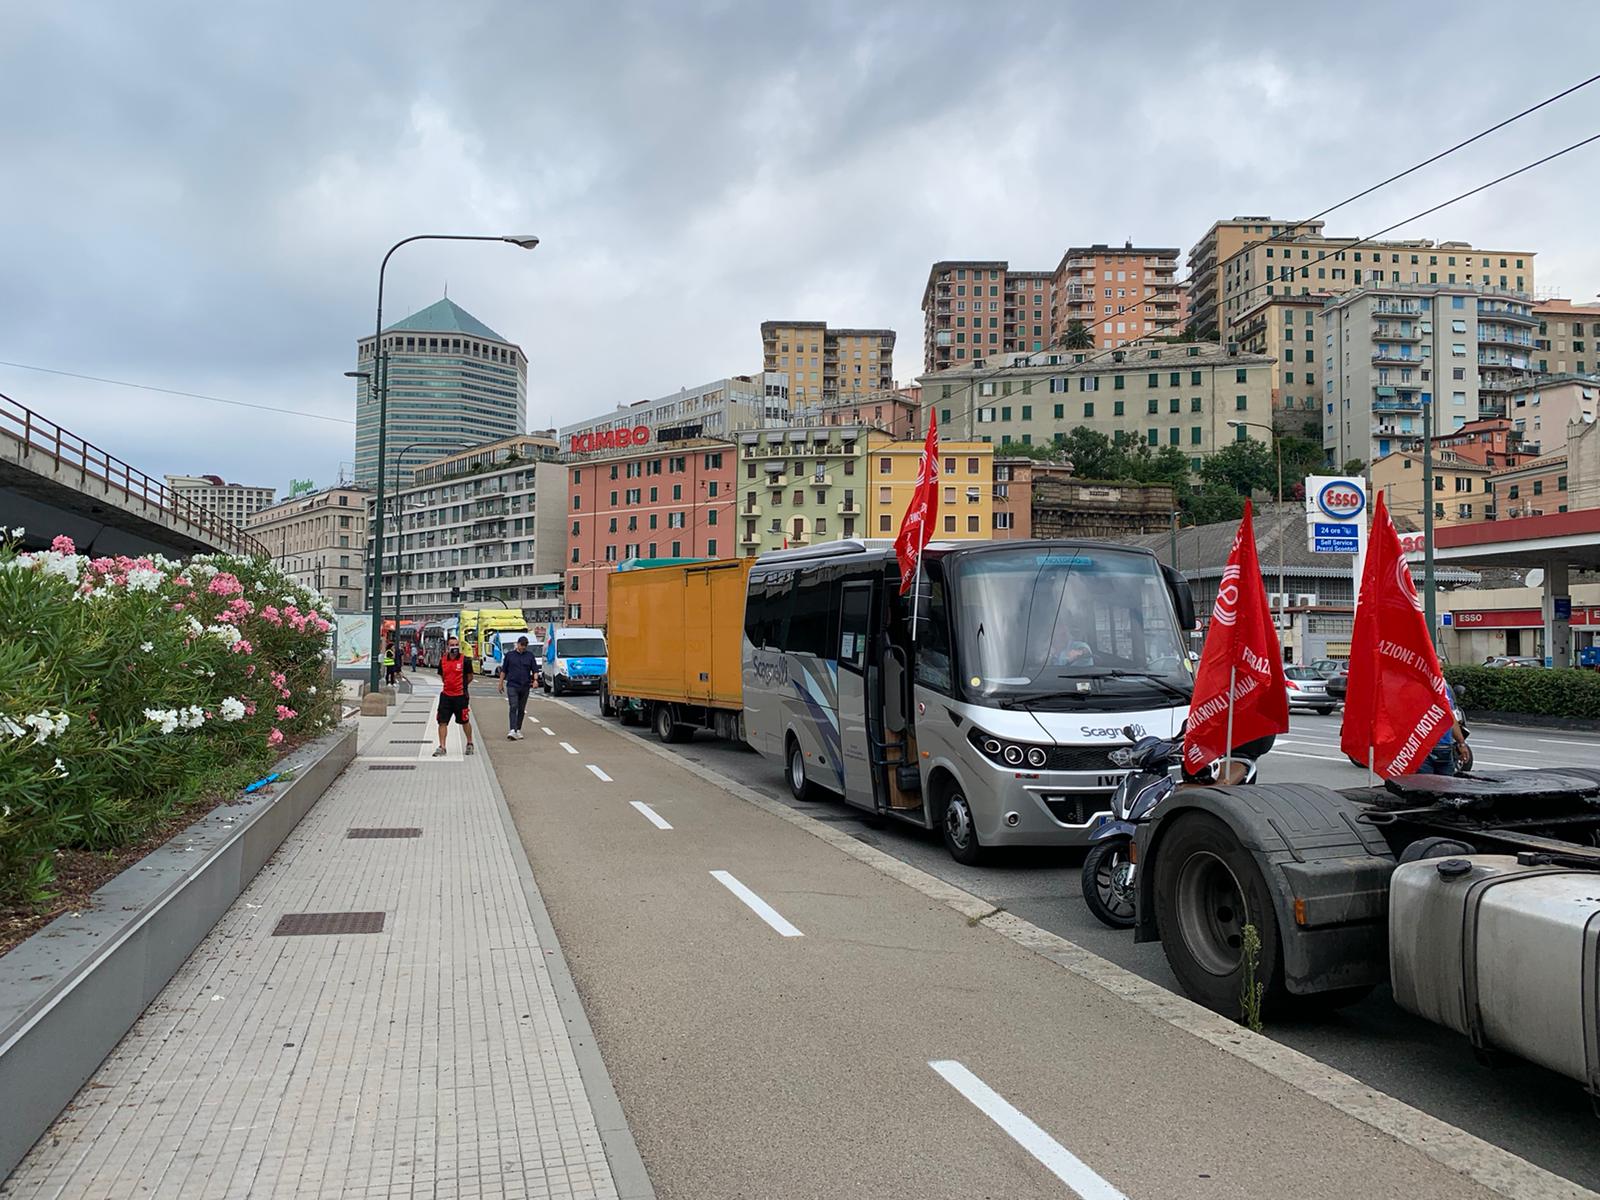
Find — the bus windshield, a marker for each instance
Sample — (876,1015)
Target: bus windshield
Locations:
(1068,626)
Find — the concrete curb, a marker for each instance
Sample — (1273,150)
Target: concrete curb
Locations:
(1498,1170)
(70,992)
(622,1152)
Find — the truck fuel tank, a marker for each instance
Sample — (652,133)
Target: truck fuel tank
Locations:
(1504,951)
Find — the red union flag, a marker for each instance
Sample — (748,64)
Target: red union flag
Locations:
(1241,662)
(1396,709)
(916,527)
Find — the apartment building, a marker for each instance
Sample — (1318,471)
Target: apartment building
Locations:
(827,366)
(1541,407)
(668,500)
(1284,328)
(1219,244)
(319,539)
(804,485)
(452,383)
(1583,465)
(895,413)
(232,502)
(1568,339)
(712,410)
(1460,491)
(482,526)
(1300,265)
(1188,395)
(1387,349)
(1494,441)
(981,309)
(1015,479)
(1530,489)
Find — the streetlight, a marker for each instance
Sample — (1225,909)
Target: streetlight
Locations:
(1277,450)
(380,365)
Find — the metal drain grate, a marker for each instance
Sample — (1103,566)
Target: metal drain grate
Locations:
(408,741)
(408,722)
(391,766)
(296,924)
(395,832)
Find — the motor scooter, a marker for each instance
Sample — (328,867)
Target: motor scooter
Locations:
(1155,765)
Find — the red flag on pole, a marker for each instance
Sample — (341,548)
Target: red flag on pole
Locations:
(916,527)
(1396,709)
(1239,691)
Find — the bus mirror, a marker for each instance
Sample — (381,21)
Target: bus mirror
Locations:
(894,690)
(1182,597)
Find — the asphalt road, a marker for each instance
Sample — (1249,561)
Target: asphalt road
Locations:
(1542,1117)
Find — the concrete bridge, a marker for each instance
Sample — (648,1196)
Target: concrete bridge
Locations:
(54,482)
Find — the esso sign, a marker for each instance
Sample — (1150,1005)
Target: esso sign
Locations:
(610,439)
(1469,618)
(1412,543)
(1341,500)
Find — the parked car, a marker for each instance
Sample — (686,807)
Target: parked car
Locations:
(1338,683)
(1307,689)
(1327,667)
(1513,660)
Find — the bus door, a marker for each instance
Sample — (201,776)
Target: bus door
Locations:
(855,693)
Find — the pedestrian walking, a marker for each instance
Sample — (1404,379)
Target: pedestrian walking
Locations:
(517,673)
(455,673)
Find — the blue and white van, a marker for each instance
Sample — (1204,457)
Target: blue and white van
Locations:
(575,660)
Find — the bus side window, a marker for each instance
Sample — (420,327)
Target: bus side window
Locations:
(933,643)
(813,619)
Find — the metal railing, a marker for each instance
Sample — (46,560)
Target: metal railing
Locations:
(39,435)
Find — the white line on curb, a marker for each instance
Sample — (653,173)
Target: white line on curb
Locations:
(756,904)
(598,773)
(569,747)
(1057,1159)
(650,814)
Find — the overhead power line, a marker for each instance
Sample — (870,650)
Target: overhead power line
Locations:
(147,387)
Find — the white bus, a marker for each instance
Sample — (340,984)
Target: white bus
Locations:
(994,722)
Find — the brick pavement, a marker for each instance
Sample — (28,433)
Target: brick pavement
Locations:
(431,1059)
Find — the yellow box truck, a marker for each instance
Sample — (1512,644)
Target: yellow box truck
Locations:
(675,633)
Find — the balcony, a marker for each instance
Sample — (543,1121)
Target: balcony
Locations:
(750,539)
(1398,333)
(1400,355)
(1489,334)
(1393,404)
(1488,312)
(1502,358)
(849,508)
(1399,308)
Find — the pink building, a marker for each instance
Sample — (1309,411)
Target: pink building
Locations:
(672,500)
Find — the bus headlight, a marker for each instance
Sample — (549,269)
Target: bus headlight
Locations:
(1037,756)
(1013,755)
(1004,752)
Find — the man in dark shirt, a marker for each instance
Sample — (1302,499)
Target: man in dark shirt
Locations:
(516,680)
(455,671)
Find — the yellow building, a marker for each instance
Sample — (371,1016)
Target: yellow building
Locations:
(966,486)
(1221,242)
(1460,486)
(828,366)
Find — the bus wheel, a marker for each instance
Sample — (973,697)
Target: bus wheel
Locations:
(960,838)
(799,786)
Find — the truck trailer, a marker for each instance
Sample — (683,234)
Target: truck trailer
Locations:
(674,632)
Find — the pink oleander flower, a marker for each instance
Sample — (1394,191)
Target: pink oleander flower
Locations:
(271,616)
(181,581)
(177,608)
(224,584)
(242,646)
(226,618)
(250,671)
(250,708)
(63,544)
(285,713)
(274,737)
(240,607)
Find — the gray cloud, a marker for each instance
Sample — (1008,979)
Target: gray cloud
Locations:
(199,198)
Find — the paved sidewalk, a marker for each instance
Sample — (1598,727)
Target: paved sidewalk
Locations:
(429,1059)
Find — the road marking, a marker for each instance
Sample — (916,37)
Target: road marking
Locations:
(1055,1157)
(598,773)
(755,903)
(1507,749)
(550,731)
(569,747)
(1293,754)
(650,814)
(1569,742)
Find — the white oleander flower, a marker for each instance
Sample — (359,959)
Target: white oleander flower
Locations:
(59,771)
(45,726)
(147,646)
(17,533)
(167,718)
(142,580)
(232,708)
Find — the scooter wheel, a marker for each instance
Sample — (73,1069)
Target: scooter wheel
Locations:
(1099,892)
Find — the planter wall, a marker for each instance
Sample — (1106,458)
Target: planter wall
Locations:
(69,993)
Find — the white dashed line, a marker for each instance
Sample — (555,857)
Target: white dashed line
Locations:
(756,904)
(1055,1157)
(550,731)
(598,773)
(569,747)
(650,814)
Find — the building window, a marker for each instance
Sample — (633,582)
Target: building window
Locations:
(885,465)
(1088,408)
(972,466)
(884,523)
(1240,404)
(949,524)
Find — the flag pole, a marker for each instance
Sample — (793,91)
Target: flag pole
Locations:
(916,596)
(1227,758)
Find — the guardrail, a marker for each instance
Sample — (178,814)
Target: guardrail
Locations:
(39,435)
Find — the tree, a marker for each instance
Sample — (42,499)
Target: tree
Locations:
(1166,465)
(1092,455)
(1039,452)
(1242,467)
(1076,336)
(1213,502)
(1354,467)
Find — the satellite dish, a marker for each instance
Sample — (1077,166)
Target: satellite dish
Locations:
(1534,578)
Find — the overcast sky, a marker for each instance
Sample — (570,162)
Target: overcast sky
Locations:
(197,197)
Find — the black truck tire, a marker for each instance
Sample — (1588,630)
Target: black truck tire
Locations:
(1207,888)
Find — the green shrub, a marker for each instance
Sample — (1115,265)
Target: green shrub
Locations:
(130,688)
(1532,690)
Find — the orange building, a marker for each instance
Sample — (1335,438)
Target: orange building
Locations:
(1014,479)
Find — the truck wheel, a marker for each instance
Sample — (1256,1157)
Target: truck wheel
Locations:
(960,836)
(1207,889)
(666,728)
(800,787)
(607,709)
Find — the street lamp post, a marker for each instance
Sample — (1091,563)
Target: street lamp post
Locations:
(1277,451)
(380,361)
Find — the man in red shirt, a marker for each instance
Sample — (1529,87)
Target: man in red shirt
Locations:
(455,671)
